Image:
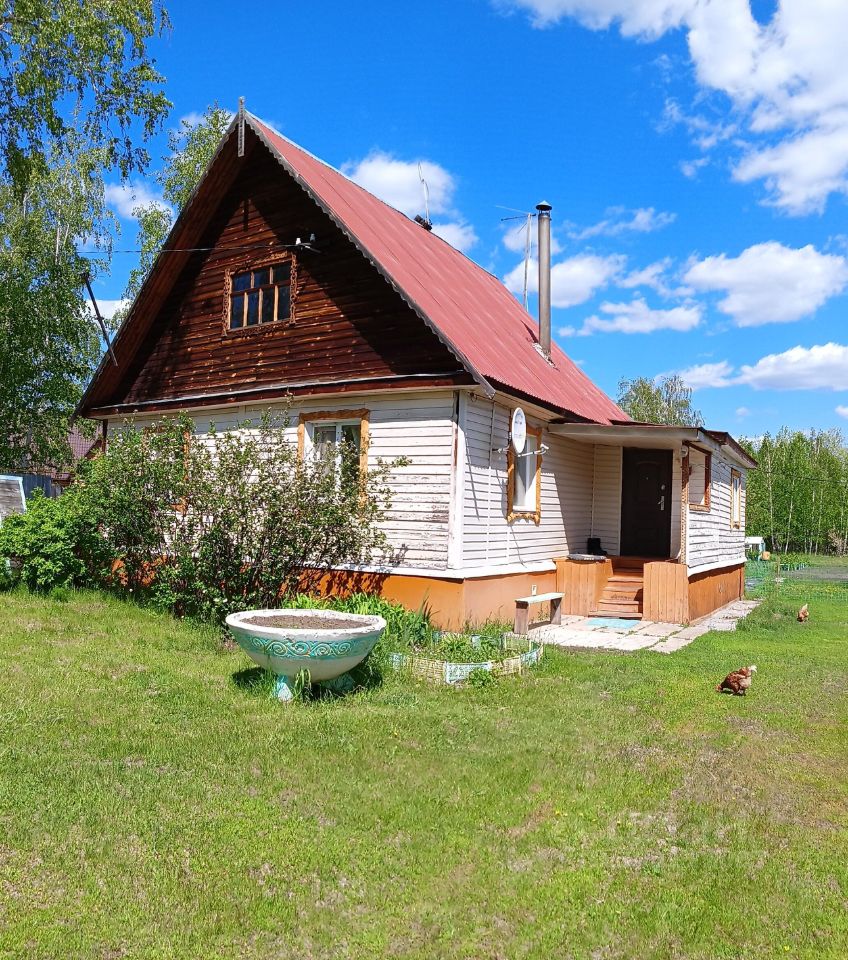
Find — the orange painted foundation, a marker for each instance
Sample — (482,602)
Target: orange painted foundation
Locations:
(669,595)
(451,603)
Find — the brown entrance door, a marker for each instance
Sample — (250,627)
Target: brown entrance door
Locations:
(646,503)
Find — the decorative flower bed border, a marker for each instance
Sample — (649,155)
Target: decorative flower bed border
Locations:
(444,671)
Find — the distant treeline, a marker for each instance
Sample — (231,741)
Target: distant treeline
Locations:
(797,498)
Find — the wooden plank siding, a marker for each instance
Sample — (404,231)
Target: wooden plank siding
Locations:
(713,541)
(416,426)
(665,592)
(566,493)
(347,322)
(715,588)
(582,582)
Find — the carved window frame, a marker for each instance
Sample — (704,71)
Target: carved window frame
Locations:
(248,265)
(708,478)
(360,415)
(736,495)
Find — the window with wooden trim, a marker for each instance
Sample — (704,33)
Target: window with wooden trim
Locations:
(341,436)
(259,296)
(735,499)
(700,479)
(524,480)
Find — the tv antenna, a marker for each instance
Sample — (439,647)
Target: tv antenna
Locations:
(426,191)
(528,245)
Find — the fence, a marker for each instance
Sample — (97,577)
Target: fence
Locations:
(801,581)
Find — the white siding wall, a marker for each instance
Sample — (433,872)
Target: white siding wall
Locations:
(606,517)
(566,477)
(712,542)
(417,426)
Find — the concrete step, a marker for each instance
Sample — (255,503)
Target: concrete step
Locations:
(624,614)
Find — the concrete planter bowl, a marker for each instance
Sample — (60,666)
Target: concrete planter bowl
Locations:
(327,643)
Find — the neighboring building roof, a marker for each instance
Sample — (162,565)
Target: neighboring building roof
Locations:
(12,498)
(468,308)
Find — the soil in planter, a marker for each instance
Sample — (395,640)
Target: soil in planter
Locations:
(314,621)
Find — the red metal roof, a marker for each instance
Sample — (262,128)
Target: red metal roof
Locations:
(471,310)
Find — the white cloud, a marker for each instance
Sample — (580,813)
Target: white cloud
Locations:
(821,367)
(786,80)
(708,375)
(399,184)
(573,281)
(803,171)
(458,234)
(770,283)
(124,198)
(107,308)
(648,17)
(842,411)
(515,237)
(618,220)
(636,317)
(690,168)
(743,412)
(651,276)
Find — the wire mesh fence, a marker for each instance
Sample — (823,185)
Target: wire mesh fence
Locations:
(804,581)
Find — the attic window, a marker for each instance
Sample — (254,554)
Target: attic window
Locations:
(260,296)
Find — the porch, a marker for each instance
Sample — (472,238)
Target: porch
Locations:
(631,588)
(663,543)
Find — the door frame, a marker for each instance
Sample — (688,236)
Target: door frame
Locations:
(625,521)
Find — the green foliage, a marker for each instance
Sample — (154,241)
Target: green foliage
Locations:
(796,499)
(48,343)
(481,679)
(80,93)
(191,147)
(230,521)
(54,542)
(667,401)
(78,75)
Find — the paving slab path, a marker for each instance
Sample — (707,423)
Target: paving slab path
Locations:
(594,633)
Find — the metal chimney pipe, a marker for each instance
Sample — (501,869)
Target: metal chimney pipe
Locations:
(544,277)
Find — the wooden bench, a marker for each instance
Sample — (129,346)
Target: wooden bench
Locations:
(523,604)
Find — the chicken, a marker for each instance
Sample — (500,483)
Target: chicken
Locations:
(803,614)
(738,682)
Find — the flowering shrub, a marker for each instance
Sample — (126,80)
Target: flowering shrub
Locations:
(205,525)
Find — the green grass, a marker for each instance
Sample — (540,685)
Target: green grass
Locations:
(154,803)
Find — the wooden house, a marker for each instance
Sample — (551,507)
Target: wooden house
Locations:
(284,282)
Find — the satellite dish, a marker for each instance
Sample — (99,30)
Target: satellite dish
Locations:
(518,430)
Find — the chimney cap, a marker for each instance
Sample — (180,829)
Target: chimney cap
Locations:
(544,207)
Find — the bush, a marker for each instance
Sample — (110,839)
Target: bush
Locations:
(54,544)
(233,520)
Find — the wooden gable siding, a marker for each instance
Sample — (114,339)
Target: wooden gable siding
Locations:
(347,322)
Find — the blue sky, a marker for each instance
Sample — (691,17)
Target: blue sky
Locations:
(696,156)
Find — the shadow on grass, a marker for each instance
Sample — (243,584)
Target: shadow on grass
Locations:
(257,682)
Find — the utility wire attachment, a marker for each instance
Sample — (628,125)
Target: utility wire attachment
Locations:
(241,127)
(87,280)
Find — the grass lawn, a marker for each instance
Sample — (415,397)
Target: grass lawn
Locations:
(154,804)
